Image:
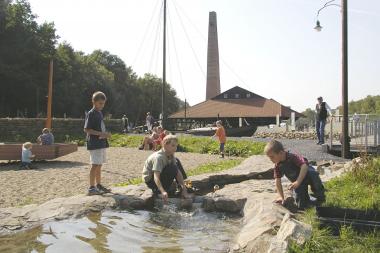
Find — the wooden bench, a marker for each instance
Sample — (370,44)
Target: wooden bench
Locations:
(42,152)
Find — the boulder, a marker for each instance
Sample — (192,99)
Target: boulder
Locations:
(60,208)
(290,230)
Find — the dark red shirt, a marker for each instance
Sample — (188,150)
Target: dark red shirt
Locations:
(290,167)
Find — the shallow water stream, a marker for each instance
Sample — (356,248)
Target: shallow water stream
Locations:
(167,230)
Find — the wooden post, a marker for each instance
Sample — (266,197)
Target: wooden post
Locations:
(50,95)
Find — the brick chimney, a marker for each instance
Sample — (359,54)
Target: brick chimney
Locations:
(213,76)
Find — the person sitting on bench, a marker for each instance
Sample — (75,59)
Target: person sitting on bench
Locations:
(46,138)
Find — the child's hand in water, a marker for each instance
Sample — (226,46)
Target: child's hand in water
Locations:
(165,197)
(186,195)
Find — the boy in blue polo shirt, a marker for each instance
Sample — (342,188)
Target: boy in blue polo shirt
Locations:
(96,142)
(298,171)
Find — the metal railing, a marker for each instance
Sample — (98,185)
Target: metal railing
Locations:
(363,129)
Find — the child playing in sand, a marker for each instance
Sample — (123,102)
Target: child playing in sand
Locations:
(46,138)
(96,142)
(26,155)
(298,171)
(221,134)
(161,168)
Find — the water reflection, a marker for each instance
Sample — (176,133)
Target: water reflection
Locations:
(23,242)
(119,231)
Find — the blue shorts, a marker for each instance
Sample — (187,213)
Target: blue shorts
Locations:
(221,147)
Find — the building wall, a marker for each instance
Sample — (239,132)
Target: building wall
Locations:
(28,129)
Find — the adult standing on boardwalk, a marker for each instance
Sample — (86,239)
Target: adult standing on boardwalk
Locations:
(322,109)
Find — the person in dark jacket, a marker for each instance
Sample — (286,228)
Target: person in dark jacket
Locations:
(323,110)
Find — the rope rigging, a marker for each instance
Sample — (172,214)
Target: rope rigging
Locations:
(145,33)
(153,33)
(205,40)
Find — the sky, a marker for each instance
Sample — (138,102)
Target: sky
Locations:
(266,46)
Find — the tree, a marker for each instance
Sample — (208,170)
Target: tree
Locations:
(368,105)
(26,48)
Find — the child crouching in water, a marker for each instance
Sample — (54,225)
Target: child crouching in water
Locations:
(162,168)
(298,171)
(27,155)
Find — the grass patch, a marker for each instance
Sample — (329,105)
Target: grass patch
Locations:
(358,189)
(205,145)
(214,167)
(123,140)
(202,169)
(348,241)
(132,181)
(202,145)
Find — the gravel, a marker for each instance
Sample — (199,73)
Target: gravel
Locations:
(69,175)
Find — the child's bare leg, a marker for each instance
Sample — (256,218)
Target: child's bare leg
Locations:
(93,174)
(98,174)
(146,143)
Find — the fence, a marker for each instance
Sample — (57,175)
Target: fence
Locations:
(363,129)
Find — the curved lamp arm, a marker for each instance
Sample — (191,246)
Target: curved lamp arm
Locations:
(318,26)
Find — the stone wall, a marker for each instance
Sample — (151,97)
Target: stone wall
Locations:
(27,129)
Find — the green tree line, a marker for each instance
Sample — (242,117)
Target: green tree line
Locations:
(368,105)
(26,48)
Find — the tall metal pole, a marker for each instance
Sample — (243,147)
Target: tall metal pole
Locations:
(164,71)
(50,95)
(345,141)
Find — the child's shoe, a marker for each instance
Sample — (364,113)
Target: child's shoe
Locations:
(93,191)
(102,189)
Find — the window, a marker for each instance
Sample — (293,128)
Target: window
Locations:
(226,95)
(248,95)
(237,96)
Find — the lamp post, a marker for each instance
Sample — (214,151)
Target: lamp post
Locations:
(345,139)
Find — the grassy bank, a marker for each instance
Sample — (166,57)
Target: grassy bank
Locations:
(203,169)
(200,145)
(358,189)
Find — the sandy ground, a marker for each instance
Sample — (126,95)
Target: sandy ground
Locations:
(68,175)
